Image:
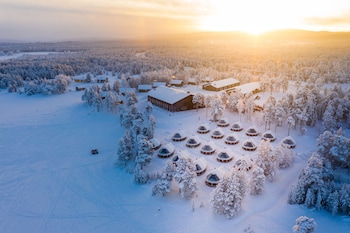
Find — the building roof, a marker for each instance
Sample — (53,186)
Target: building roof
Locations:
(224,82)
(158,84)
(168,95)
(144,87)
(102,78)
(176,82)
(248,87)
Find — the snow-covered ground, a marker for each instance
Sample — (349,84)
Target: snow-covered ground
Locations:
(49,181)
(17,55)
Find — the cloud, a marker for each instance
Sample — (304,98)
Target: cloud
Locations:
(36,21)
(329,21)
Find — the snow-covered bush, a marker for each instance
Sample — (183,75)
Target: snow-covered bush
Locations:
(304,224)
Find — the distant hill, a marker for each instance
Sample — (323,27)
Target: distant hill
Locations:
(274,36)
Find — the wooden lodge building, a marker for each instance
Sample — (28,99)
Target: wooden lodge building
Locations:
(220,85)
(171,99)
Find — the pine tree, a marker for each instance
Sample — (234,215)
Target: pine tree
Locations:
(228,195)
(333,202)
(145,152)
(284,156)
(116,86)
(313,184)
(140,176)
(185,175)
(266,159)
(124,149)
(257,181)
(163,184)
(328,121)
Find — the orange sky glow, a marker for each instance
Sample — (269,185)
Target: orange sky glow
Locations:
(108,19)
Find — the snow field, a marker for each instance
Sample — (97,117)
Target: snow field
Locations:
(49,181)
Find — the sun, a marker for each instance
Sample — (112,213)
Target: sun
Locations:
(253,17)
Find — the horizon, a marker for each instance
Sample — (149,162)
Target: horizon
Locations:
(55,21)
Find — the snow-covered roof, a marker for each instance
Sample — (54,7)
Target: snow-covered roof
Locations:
(288,142)
(127,89)
(232,138)
(202,162)
(192,80)
(155,142)
(269,135)
(200,165)
(216,173)
(208,146)
(102,78)
(158,84)
(249,144)
(135,76)
(225,154)
(179,136)
(224,82)
(193,140)
(166,150)
(168,95)
(223,122)
(169,147)
(144,87)
(184,154)
(176,82)
(248,87)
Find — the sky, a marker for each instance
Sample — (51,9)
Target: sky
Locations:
(57,20)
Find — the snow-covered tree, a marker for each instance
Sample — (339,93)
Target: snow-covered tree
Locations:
(111,102)
(148,109)
(145,152)
(228,196)
(328,121)
(333,202)
(198,100)
(344,199)
(130,98)
(216,109)
(280,113)
(140,176)
(335,147)
(124,149)
(163,184)
(290,122)
(93,98)
(311,187)
(105,87)
(257,181)
(186,176)
(240,107)
(249,108)
(284,156)
(265,158)
(148,130)
(233,100)
(116,86)
(304,224)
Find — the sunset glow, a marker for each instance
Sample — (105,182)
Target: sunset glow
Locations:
(255,17)
(77,19)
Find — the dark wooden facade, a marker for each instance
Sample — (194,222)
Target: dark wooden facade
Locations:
(181,105)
